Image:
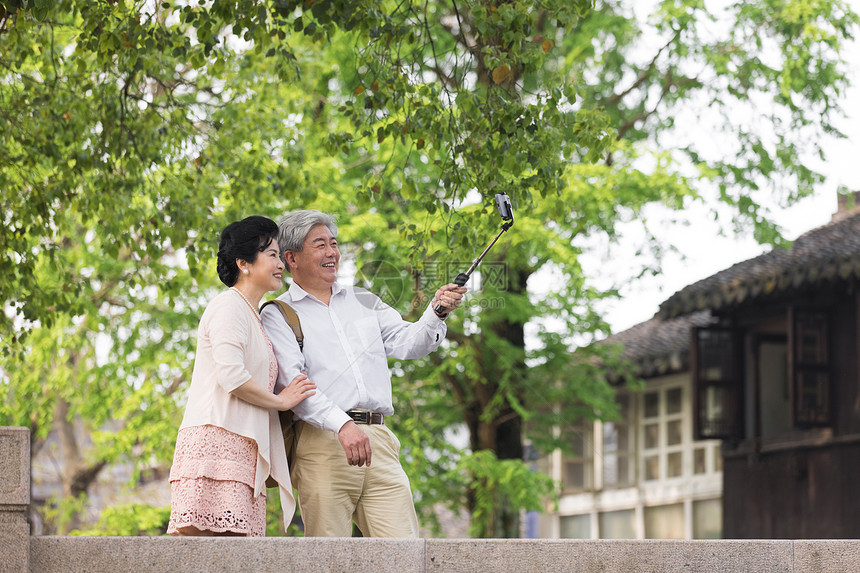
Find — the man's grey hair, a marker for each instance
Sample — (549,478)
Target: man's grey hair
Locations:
(293,228)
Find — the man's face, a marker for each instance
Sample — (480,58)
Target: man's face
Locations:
(315,266)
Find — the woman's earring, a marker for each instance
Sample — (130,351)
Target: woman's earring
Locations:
(244,271)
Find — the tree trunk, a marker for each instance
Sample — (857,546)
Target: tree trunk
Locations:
(76,475)
(502,434)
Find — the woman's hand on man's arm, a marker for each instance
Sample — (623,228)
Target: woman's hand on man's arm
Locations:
(299,389)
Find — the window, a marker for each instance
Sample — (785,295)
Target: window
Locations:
(664,521)
(708,519)
(578,465)
(808,340)
(792,380)
(575,527)
(617,524)
(618,440)
(663,434)
(717,384)
(700,461)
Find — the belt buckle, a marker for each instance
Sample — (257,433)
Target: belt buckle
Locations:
(361,416)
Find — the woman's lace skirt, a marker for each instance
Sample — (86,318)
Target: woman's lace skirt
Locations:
(212,483)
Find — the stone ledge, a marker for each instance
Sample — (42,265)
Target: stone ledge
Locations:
(193,555)
(628,556)
(832,556)
(199,554)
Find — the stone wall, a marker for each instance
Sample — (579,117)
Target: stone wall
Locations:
(21,553)
(279,555)
(14,499)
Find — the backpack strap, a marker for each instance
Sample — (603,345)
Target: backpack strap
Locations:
(291,317)
(288,421)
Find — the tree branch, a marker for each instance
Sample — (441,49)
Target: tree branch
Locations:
(643,75)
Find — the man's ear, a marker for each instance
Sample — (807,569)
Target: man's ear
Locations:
(290,259)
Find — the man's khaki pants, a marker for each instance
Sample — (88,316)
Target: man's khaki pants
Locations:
(333,493)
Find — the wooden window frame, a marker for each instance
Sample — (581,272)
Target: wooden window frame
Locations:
(730,385)
(798,367)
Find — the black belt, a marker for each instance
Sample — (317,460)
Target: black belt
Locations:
(366,417)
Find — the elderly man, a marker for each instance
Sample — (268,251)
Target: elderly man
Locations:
(348,334)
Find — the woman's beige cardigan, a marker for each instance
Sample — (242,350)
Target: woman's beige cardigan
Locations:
(231,349)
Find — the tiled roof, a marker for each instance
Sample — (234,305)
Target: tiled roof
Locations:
(829,253)
(660,346)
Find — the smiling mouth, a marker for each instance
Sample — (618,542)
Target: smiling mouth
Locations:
(328,265)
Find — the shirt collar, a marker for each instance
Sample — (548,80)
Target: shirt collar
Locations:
(298,293)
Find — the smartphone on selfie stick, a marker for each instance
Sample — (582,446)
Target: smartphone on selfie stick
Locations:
(506,212)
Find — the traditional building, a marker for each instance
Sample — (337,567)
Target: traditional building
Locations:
(749,422)
(643,476)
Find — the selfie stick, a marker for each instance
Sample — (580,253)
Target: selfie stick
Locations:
(503,203)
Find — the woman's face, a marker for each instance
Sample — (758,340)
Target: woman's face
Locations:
(267,271)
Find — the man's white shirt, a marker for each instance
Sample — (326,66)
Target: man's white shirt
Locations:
(346,344)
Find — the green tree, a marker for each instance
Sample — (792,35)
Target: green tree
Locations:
(132,131)
(123,153)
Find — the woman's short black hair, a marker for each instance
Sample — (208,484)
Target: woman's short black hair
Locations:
(244,240)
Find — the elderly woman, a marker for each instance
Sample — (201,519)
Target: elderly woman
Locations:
(230,439)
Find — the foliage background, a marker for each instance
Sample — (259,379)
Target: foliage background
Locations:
(133,131)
